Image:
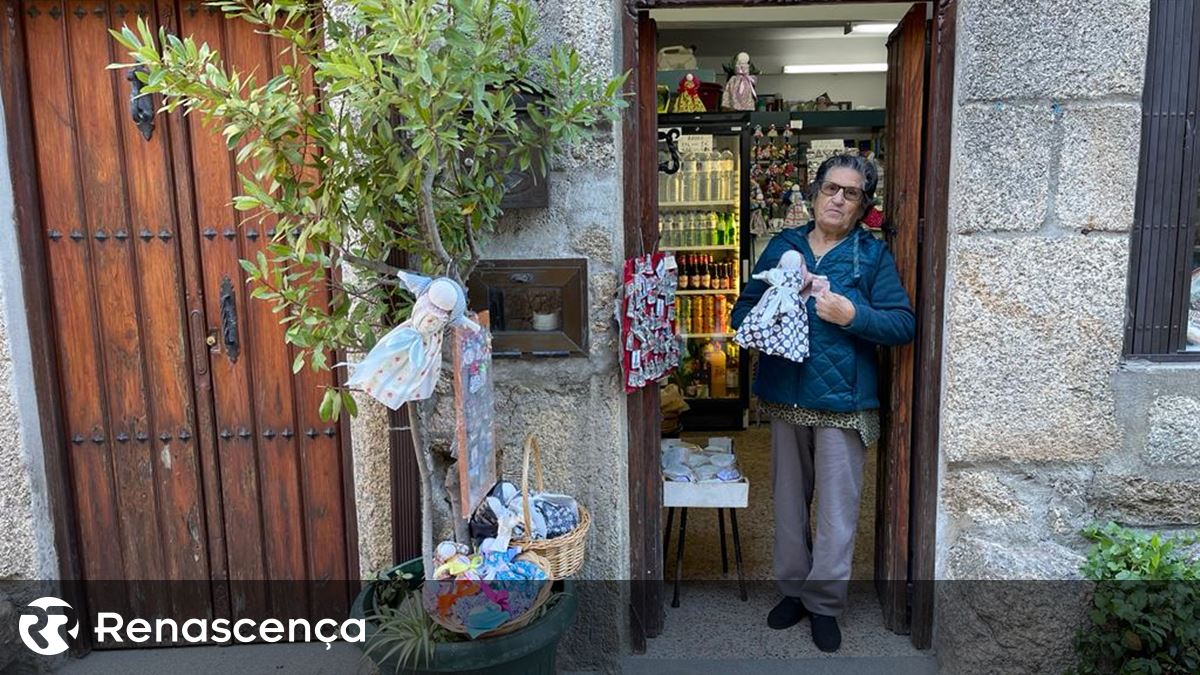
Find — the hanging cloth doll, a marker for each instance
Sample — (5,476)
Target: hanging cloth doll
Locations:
(404,365)
(739,91)
(688,98)
(778,324)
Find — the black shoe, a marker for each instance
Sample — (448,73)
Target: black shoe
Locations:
(825,632)
(786,614)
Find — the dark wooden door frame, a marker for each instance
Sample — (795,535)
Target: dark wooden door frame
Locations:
(28,217)
(22,160)
(641,226)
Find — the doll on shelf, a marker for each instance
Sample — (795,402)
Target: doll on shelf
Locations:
(688,98)
(739,89)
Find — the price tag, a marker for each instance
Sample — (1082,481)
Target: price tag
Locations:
(695,143)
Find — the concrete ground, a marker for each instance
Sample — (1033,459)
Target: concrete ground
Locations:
(714,631)
(262,659)
(711,631)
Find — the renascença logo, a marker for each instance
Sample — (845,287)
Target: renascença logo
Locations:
(51,633)
(112,627)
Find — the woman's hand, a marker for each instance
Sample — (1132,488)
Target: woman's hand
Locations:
(834,308)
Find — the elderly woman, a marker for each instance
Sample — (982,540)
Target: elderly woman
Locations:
(825,411)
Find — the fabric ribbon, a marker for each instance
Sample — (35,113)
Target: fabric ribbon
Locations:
(783,293)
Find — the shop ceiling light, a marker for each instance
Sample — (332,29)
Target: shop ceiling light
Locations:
(872,28)
(818,68)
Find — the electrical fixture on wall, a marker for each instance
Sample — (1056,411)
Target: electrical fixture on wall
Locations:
(870,28)
(825,68)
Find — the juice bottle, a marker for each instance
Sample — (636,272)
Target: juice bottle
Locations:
(717,373)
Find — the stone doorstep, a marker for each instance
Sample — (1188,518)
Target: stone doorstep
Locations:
(835,665)
(257,659)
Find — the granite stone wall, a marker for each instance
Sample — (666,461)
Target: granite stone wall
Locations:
(1045,427)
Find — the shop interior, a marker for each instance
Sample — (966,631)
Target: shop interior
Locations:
(821,89)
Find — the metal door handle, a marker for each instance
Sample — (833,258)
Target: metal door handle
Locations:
(229,327)
(140,106)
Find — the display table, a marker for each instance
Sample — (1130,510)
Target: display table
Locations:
(722,496)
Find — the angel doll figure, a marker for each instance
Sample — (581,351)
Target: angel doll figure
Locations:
(739,91)
(688,98)
(403,366)
(778,324)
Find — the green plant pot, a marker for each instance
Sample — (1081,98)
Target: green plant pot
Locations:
(528,651)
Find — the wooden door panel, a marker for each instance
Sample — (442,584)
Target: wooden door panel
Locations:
(298,501)
(122,382)
(186,463)
(69,263)
(167,348)
(270,366)
(905,149)
(125,358)
(219,249)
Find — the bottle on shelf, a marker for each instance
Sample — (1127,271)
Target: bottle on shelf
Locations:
(715,362)
(691,178)
(716,176)
(703,169)
(728,175)
(731,367)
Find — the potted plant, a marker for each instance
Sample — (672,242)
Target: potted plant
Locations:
(388,131)
(545,306)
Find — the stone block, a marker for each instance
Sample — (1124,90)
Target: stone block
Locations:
(10,644)
(981,497)
(1174,437)
(1002,167)
(371,454)
(1149,500)
(1054,49)
(1034,332)
(1097,182)
(1004,608)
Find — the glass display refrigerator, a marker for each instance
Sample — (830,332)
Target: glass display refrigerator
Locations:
(702,210)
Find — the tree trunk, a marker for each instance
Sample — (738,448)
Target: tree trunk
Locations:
(417,419)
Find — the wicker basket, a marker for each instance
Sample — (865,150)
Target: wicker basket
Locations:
(450,624)
(566,553)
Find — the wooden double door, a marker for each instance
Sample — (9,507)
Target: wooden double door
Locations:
(192,451)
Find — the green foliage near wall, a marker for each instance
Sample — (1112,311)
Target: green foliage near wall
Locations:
(1145,614)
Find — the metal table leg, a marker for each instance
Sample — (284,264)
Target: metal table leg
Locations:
(667,535)
(737,551)
(721,528)
(679,554)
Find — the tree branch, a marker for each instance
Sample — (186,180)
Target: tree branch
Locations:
(373,265)
(427,218)
(476,249)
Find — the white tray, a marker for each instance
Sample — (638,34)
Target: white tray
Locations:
(729,495)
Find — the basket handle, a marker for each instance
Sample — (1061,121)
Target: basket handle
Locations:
(531,445)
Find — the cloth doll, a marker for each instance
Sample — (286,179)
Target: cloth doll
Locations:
(739,91)
(688,98)
(404,365)
(778,324)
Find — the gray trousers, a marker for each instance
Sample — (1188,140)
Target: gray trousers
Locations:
(831,461)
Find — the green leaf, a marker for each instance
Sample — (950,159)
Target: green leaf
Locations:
(298,363)
(326,408)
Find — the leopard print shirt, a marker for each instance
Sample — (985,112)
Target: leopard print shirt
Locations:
(866,422)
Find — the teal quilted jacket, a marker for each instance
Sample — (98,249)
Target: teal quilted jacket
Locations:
(841,372)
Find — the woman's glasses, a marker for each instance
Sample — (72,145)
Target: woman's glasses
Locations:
(852,194)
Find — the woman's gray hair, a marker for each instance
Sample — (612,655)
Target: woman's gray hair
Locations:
(862,165)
